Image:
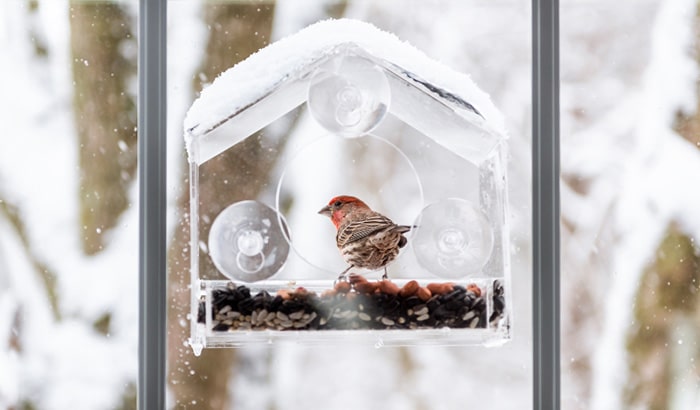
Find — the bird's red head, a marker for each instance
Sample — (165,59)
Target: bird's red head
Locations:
(340,206)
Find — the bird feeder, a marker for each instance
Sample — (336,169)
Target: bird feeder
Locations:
(374,118)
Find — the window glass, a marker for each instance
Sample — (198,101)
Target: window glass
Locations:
(68,219)
(488,41)
(630,166)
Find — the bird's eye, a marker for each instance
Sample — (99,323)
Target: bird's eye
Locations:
(337,203)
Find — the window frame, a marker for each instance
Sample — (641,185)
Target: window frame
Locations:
(545,205)
(152,203)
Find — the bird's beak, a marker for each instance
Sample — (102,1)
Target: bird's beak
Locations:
(326,210)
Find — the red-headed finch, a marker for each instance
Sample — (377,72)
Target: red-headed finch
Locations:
(366,239)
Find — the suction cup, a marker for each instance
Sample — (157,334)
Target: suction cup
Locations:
(247,241)
(350,100)
(453,239)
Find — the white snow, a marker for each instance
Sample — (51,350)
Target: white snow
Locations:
(656,181)
(66,363)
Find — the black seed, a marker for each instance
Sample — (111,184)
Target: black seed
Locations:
(314,324)
(238,294)
(222,297)
(454,305)
(390,305)
(200,313)
(479,304)
(262,300)
(442,313)
(469,299)
(243,290)
(433,303)
(292,305)
(499,303)
(371,307)
(457,294)
(246,306)
(497,288)
(221,327)
(275,304)
(412,301)
(482,319)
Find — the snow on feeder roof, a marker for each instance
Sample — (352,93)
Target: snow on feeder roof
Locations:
(280,77)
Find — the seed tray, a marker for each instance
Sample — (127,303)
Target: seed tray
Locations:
(356,304)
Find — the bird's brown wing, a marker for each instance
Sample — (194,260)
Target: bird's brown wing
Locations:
(356,230)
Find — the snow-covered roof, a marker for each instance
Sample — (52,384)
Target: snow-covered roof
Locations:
(281,71)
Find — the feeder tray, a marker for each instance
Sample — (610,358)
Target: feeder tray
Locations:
(435,148)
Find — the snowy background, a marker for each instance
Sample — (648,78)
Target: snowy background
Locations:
(630,134)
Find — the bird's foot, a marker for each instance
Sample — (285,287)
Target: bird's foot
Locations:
(343,277)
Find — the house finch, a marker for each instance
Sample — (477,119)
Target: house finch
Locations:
(365,238)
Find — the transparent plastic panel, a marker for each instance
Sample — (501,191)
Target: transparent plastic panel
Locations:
(248,241)
(312,236)
(412,152)
(353,76)
(232,315)
(351,97)
(454,238)
(235,129)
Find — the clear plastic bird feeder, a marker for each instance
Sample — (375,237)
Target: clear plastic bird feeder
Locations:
(373,118)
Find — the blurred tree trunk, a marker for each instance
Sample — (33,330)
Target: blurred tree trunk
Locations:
(103,64)
(667,296)
(105,115)
(236,30)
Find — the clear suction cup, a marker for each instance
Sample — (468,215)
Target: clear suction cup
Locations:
(350,100)
(247,241)
(453,239)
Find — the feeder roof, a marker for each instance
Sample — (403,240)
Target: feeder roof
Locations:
(281,72)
